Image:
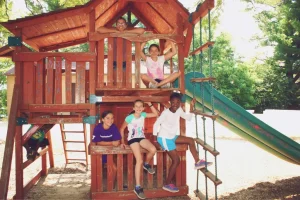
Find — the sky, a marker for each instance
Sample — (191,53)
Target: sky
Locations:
(234,20)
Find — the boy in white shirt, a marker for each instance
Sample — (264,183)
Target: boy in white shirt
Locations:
(167,126)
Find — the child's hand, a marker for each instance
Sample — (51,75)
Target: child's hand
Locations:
(192,104)
(115,143)
(149,103)
(123,146)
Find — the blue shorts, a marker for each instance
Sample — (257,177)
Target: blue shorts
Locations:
(167,144)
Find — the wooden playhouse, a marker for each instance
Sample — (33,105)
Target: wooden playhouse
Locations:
(53,87)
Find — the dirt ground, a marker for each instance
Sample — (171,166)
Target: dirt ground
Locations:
(247,173)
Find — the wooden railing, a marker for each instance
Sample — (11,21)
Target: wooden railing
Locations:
(104,187)
(46,75)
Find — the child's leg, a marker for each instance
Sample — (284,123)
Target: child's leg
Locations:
(169,79)
(146,144)
(175,162)
(139,161)
(146,80)
(189,141)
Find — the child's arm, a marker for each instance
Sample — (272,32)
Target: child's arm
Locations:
(144,57)
(153,109)
(135,30)
(172,52)
(122,133)
(103,29)
(158,122)
(102,143)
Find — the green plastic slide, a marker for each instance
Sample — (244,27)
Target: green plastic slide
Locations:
(242,122)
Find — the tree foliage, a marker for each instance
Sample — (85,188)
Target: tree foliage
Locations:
(281,82)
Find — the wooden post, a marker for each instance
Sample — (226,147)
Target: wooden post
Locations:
(19,164)
(137,64)
(50,149)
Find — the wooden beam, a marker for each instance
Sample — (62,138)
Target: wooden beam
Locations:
(63,45)
(55,120)
(9,145)
(178,9)
(57,32)
(202,11)
(74,57)
(43,18)
(28,162)
(202,48)
(145,1)
(188,39)
(105,11)
(133,98)
(133,37)
(139,15)
(162,17)
(120,14)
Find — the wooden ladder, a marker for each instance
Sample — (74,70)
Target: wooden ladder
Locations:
(66,139)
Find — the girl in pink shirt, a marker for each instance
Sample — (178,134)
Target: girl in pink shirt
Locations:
(155,65)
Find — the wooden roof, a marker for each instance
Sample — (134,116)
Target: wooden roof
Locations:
(69,27)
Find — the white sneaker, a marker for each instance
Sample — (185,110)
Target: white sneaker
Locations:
(167,85)
(152,85)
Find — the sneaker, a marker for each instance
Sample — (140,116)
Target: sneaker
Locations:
(149,169)
(171,188)
(152,85)
(139,192)
(167,85)
(201,164)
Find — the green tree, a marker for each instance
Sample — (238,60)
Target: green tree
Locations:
(281,26)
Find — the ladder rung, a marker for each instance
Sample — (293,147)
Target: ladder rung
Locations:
(72,131)
(205,114)
(73,141)
(199,194)
(203,47)
(75,159)
(211,176)
(207,147)
(200,80)
(75,150)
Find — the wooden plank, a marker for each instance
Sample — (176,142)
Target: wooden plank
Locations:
(159,169)
(178,9)
(100,64)
(120,172)
(36,56)
(151,193)
(211,176)
(63,45)
(119,62)
(18,164)
(128,64)
(200,195)
(80,83)
(50,149)
(9,144)
(206,114)
(68,81)
(133,37)
(94,173)
(201,80)
(99,173)
(49,84)
(31,183)
(150,177)
(51,120)
(28,83)
(130,171)
(179,171)
(110,63)
(58,107)
(180,56)
(30,132)
(137,64)
(188,39)
(183,168)
(207,147)
(110,178)
(202,48)
(39,81)
(44,164)
(58,81)
(202,11)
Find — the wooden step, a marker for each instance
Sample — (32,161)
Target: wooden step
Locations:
(207,147)
(76,159)
(201,80)
(200,195)
(73,141)
(66,131)
(70,150)
(205,114)
(202,48)
(211,176)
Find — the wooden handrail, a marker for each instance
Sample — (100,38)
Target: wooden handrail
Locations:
(94,36)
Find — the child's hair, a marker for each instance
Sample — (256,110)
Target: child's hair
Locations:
(122,19)
(105,113)
(138,100)
(154,45)
(175,95)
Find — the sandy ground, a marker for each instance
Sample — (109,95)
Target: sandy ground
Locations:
(247,172)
